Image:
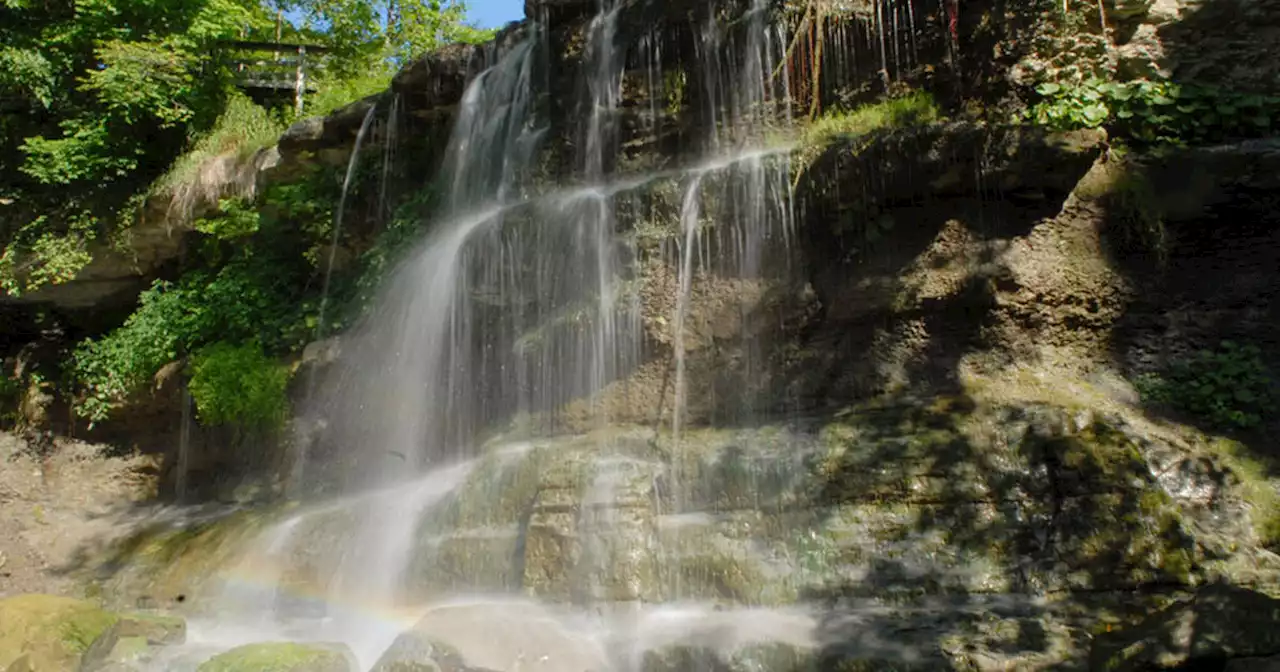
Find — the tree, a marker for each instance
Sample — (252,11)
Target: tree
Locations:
(97,97)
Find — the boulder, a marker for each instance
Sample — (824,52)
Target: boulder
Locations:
(499,635)
(439,77)
(46,633)
(124,645)
(414,652)
(283,657)
(155,629)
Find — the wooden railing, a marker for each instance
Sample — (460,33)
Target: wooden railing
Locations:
(277,67)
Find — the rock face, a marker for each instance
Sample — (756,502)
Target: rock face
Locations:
(483,637)
(1219,623)
(933,532)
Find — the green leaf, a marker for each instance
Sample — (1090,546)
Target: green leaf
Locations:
(1048,88)
(1095,114)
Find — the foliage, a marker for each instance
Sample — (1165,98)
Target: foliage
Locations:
(97,102)
(240,385)
(1066,44)
(234,219)
(1156,111)
(370,35)
(254,297)
(37,256)
(335,93)
(404,228)
(110,101)
(1230,387)
(112,368)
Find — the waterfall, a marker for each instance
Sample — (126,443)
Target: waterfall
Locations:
(336,238)
(523,299)
(395,396)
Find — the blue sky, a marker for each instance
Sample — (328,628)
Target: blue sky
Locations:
(494,13)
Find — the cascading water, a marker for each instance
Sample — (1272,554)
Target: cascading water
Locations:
(523,301)
(754,187)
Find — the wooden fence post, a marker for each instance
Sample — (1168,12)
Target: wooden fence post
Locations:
(300,85)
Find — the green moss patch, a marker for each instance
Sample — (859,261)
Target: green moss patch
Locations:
(280,657)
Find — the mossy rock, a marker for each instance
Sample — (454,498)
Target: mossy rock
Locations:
(282,657)
(50,633)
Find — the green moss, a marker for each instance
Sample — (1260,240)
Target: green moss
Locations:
(914,108)
(1099,454)
(279,657)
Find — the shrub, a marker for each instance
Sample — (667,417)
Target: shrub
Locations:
(239,385)
(114,367)
(251,299)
